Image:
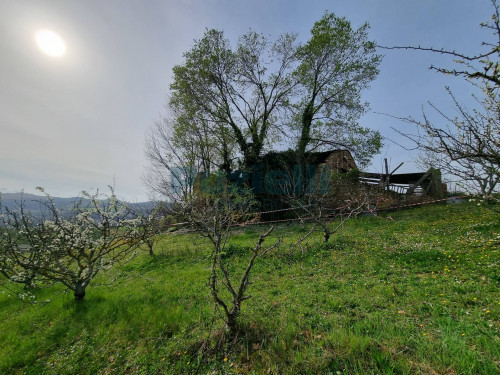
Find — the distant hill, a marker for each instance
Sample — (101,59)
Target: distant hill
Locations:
(35,203)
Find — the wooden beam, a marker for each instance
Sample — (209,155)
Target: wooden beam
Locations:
(412,188)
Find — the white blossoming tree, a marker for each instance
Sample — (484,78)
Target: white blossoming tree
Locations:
(150,224)
(68,248)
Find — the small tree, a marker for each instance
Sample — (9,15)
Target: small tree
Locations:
(68,248)
(212,215)
(150,223)
(330,196)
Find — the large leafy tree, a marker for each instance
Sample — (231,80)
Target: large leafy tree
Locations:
(251,95)
(336,64)
(237,92)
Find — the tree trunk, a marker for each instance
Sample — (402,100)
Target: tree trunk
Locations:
(326,235)
(79,291)
(231,325)
(251,156)
(226,160)
(305,136)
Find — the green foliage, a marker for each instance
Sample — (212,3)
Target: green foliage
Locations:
(228,100)
(415,294)
(234,91)
(336,64)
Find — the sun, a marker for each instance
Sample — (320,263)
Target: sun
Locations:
(50,43)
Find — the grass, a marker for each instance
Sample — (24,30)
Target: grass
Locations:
(403,293)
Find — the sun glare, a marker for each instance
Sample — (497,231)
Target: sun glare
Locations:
(50,43)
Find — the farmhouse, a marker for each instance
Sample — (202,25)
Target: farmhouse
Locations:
(281,173)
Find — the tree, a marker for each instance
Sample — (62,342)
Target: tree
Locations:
(467,145)
(481,67)
(68,248)
(149,224)
(255,94)
(336,64)
(234,90)
(213,214)
(329,200)
(208,146)
(173,166)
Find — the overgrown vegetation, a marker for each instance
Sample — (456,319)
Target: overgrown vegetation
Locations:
(230,104)
(405,292)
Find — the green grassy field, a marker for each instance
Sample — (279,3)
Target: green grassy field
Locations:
(405,293)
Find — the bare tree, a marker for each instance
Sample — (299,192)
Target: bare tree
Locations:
(173,167)
(213,215)
(484,66)
(327,199)
(466,146)
(68,248)
(208,145)
(149,224)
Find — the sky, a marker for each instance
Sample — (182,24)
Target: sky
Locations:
(78,121)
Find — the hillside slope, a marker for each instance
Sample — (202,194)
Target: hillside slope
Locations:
(405,292)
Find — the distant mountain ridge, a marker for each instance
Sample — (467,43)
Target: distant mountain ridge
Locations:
(35,203)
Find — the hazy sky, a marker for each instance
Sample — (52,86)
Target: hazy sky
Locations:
(78,121)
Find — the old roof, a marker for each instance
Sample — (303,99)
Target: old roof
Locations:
(279,159)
